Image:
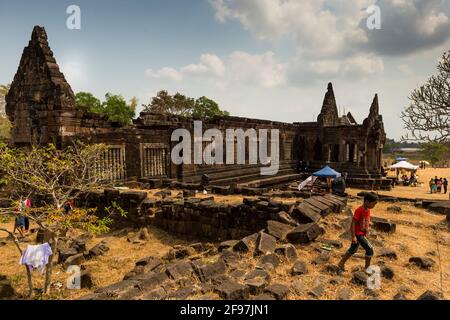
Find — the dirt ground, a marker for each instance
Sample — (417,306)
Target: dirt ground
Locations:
(422,191)
(419,233)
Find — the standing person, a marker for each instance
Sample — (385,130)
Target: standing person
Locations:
(445,184)
(439,186)
(27,205)
(68,207)
(19,222)
(431,184)
(359,229)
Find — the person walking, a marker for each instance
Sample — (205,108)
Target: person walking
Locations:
(445,184)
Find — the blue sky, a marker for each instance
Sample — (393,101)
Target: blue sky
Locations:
(269,59)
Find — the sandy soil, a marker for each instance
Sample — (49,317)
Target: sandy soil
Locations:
(422,191)
(419,233)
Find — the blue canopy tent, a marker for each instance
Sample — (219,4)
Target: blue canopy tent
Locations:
(327,172)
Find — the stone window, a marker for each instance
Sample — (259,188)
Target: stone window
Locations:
(153,160)
(112,163)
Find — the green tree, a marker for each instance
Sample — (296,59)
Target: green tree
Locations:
(116,109)
(179,104)
(434,151)
(88,102)
(207,108)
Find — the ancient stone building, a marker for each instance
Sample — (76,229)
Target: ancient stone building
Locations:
(41,106)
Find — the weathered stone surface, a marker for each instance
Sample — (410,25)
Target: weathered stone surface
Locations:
(264,297)
(371,293)
(399,296)
(155,294)
(323,258)
(149,263)
(99,249)
(209,271)
(383,225)
(258,274)
(387,272)
(395,209)
(86,280)
(284,218)
(227,245)
(421,262)
(183,293)
(265,244)
(304,233)
(317,291)
(229,257)
(256,285)
(75,260)
(304,214)
(299,268)
(287,251)
(332,269)
(179,269)
(277,229)
(269,259)
(230,290)
(246,244)
(344,294)
(117,290)
(64,254)
(279,291)
(151,280)
(387,253)
(359,277)
(6,289)
(179,253)
(430,295)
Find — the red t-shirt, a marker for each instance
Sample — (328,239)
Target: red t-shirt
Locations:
(362,218)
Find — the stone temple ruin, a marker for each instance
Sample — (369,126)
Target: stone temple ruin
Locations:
(41,106)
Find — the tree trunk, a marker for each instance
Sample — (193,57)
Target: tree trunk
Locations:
(48,273)
(30,282)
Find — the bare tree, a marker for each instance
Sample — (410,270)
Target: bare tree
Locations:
(428,116)
(57,175)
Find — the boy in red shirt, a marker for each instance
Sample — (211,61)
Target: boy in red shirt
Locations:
(359,229)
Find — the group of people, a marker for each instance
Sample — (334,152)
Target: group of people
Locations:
(438,185)
(22,222)
(411,180)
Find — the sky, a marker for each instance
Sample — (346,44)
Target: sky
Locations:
(267,59)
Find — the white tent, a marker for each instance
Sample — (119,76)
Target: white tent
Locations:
(404,165)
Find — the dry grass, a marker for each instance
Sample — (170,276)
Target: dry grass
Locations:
(418,233)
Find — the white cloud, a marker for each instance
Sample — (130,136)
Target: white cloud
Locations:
(210,64)
(262,70)
(165,73)
(319,27)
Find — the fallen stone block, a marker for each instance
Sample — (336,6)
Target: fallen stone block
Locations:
(277,229)
(230,290)
(430,295)
(287,251)
(179,270)
(423,263)
(299,268)
(383,225)
(265,243)
(278,291)
(305,233)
